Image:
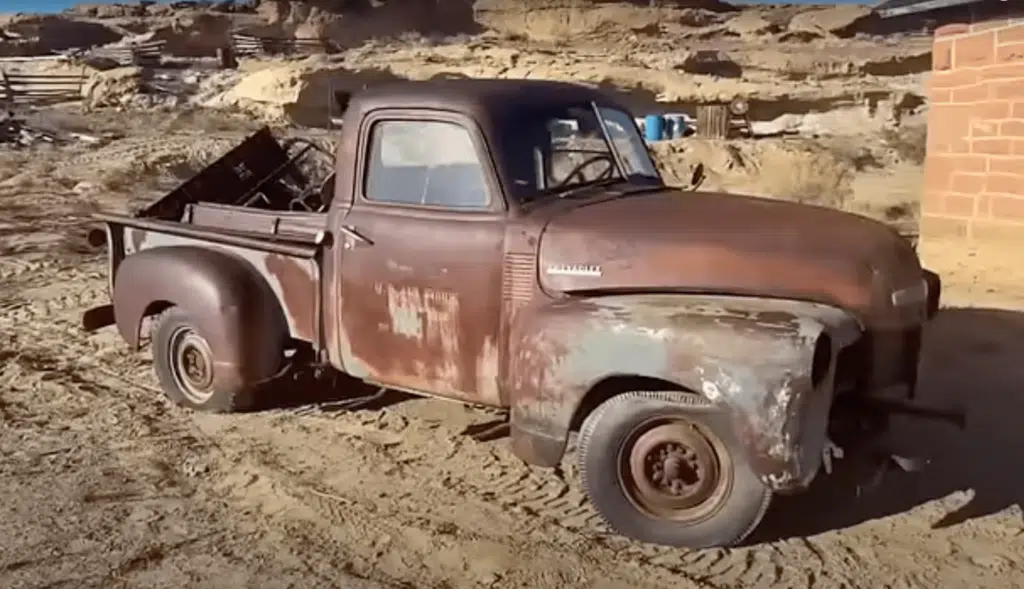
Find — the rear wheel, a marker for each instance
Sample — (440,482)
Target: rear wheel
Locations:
(183,360)
(663,467)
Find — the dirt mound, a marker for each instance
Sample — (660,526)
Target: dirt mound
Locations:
(34,34)
(198,28)
(355,22)
(141,9)
(750,24)
(841,21)
(298,92)
(114,87)
(559,19)
(195,35)
(796,170)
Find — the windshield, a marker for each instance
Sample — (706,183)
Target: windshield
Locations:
(570,149)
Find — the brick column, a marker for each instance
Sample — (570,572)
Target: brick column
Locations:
(974,171)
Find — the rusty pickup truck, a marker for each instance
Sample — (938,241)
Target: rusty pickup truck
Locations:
(510,243)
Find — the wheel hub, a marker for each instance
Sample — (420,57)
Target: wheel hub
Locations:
(196,369)
(192,361)
(672,469)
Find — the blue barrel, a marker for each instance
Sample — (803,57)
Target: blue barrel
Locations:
(654,127)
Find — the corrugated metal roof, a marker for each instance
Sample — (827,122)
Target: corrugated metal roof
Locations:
(890,8)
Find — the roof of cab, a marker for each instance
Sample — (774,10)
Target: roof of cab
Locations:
(476,96)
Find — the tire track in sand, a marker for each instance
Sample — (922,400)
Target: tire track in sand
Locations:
(408,499)
(420,475)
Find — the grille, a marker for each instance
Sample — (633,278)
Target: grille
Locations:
(517,279)
(879,359)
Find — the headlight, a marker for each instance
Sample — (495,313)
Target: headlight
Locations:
(912,295)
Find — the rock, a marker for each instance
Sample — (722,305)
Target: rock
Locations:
(194,35)
(751,24)
(298,92)
(84,188)
(559,19)
(47,33)
(835,20)
(358,22)
(710,63)
(113,87)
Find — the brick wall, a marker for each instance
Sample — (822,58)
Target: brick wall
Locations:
(974,171)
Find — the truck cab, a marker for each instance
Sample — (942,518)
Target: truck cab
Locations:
(510,243)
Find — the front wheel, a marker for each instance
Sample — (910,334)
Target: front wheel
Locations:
(663,467)
(183,360)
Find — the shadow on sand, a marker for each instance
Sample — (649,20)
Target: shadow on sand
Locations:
(972,358)
(339,392)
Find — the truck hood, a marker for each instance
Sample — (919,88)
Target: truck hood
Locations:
(674,240)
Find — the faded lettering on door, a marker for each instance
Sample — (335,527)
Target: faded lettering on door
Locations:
(424,314)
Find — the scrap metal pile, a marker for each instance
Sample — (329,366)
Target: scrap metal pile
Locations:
(14,131)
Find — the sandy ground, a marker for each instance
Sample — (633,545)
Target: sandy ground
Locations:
(104,484)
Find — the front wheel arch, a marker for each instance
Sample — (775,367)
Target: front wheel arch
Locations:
(615,385)
(541,448)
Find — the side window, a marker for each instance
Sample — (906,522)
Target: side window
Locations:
(430,163)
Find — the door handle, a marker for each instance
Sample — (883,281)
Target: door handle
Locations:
(357,238)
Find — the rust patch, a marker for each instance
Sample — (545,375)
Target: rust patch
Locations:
(405,311)
(424,311)
(727,244)
(299,289)
(751,357)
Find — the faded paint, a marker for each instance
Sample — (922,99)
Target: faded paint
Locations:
(751,357)
(488,374)
(232,305)
(405,309)
(441,312)
(662,240)
(480,307)
(295,282)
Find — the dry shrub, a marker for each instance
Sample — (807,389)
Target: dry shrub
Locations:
(807,177)
(162,164)
(797,170)
(909,143)
(23,170)
(124,178)
(193,119)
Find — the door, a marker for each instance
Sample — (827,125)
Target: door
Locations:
(420,287)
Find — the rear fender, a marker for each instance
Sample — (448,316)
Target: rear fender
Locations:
(233,306)
(752,357)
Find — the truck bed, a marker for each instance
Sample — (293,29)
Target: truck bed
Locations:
(290,264)
(280,226)
(243,204)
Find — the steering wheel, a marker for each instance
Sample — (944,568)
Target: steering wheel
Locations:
(578,169)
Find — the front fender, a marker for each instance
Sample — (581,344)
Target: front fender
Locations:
(752,357)
(233,306)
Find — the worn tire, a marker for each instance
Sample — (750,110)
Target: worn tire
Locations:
(169,331)
(605,446)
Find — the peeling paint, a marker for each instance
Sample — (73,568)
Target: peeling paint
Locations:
(405,309)
(294,281)
(751,357)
